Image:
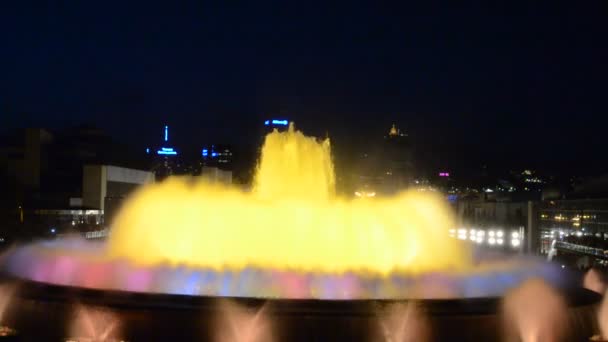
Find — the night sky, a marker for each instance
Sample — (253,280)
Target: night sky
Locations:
(506,87)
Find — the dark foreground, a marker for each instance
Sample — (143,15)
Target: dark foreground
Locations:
(41,312)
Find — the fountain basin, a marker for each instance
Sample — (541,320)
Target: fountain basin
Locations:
(180,303)
(43,311)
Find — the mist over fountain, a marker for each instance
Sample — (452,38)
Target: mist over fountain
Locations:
(290,221)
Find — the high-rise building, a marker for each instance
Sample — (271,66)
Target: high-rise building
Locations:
(165,160)
(385,167)
(278,124)
(395,161)
(50,186)
(217,156)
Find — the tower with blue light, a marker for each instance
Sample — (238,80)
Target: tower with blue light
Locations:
(164,151)
(276,123)
(279,124)
(164,159)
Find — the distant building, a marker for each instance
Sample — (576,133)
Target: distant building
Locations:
(26,160)
(44,170)
(386,167)
(396,160)
(585,219)
(278,124)
(164,160)
(104,187)
(219,156)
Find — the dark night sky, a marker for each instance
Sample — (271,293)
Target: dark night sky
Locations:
(505,86)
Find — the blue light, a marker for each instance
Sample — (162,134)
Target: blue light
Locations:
(205,152)
(147,150)
(167,149)
(166,152)
(214,154)
(267,122)
(280,122)
(166,133)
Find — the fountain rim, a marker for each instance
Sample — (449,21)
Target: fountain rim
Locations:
(126,300)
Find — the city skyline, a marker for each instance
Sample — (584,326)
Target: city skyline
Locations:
(521,86)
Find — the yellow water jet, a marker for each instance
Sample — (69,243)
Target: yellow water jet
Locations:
(290,220)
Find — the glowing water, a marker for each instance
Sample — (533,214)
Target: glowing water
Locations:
(291,220)
(94,324)
(404,322)
(535,311)
(241,324)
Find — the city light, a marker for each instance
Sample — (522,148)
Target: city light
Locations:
(53,230)
(166,133)
(167,149)
(205,152)
(462,234)
(166,152)
(494,237)
(276,122)
(147,150)
(444,174)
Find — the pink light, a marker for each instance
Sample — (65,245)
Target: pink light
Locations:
(444,174)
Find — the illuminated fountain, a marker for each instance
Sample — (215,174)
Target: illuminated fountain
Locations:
(290,238)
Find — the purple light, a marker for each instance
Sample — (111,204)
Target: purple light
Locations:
(444,174)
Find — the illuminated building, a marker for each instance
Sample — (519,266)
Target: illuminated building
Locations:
(580,222)
(164,160)
(385,167)
(396,161)
(278,124)
(215,156)
(104,187)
